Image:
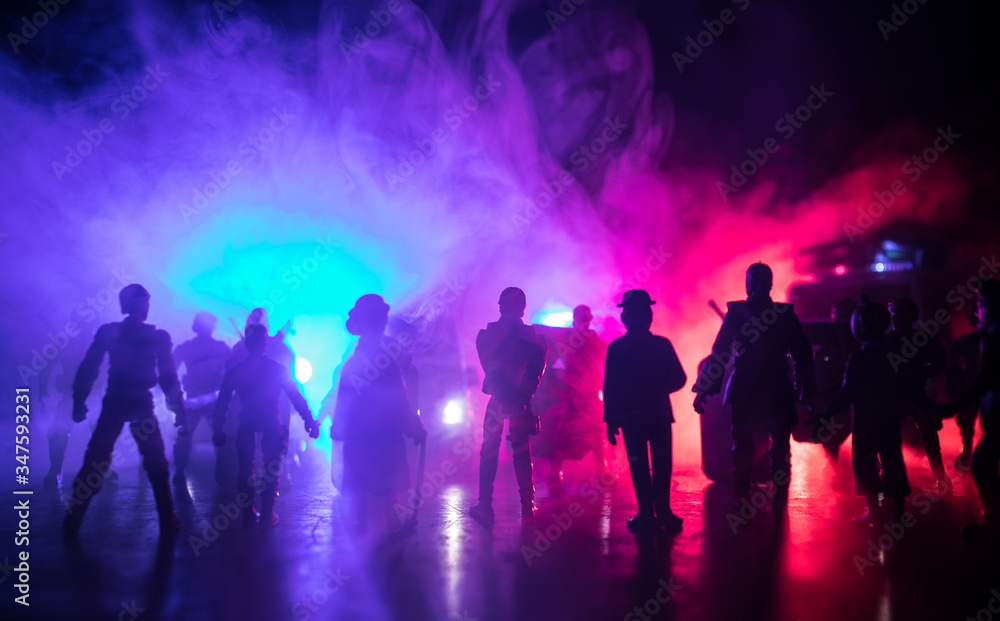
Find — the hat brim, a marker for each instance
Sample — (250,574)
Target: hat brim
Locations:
(651,302)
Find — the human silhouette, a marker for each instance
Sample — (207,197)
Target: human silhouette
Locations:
(759,334)
(921,356)
(139,358)
(373,414)
(983,390)
(873,390)
(259,381)
(513,359)
(837,345)
(204,360)
(963,366)
(58,433)
(278,351)
(572,424)
(641,370)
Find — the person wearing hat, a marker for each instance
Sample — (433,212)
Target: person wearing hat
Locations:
(640,371)
(204,361)
(259,381)
(760,334)
(920,356)
(373,413)
(873,388)
(513,358)
(983,390)
(139,357)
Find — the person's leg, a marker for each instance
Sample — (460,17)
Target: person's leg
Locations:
(662,461)
(58,437)
(520,427)
(781,467)
(894,479)
(966,420)
(246,482)
(928,426)
(742,460)
(636,437)
(273,446)
(146,431)
(489,455)
(96,463)
(183,443)
(985,465)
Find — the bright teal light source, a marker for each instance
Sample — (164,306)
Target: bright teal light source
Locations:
(303,370)
(556,318)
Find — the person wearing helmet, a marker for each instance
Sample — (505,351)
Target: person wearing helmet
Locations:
(920,356)
(760,334)
(278,351)
(259,381)
(513,358)
(139,358)
(983,390)
(641,370)
(374,411)
(203,359)
(873,388)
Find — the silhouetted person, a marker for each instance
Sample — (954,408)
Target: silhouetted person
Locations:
(984,390)
(259,381)
(204,361)
(640,372)
(139,357)
(760,333)
(278,351)
(873,388)
(573,424)
(513,359)
(921,356)
(69,358)
(373,413)
(963,366)
(836,348)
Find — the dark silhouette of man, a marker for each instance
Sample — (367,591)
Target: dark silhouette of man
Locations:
(640,372)
(873,389)
(259,381)
(204,360)
(278,351)
(759,334)
(139,357)
(983,390)
(963,366)
(513,359)
(920,356)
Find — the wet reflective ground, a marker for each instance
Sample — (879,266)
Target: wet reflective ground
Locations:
(577,562)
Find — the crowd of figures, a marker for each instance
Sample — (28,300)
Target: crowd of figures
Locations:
(761,360)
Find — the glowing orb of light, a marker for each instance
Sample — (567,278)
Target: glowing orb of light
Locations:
(840,269)
(303,370)
(880,267)
(454,412)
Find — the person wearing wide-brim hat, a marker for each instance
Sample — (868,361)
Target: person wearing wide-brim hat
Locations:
(373,413)
(641,370)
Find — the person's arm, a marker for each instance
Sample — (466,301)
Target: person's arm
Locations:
(710,376)
(676,377)
(221,407)
(847,393)
(86,374)
(300,403)
(167,372)
(935,358)
(986,379)
(802,355)
(533,371)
